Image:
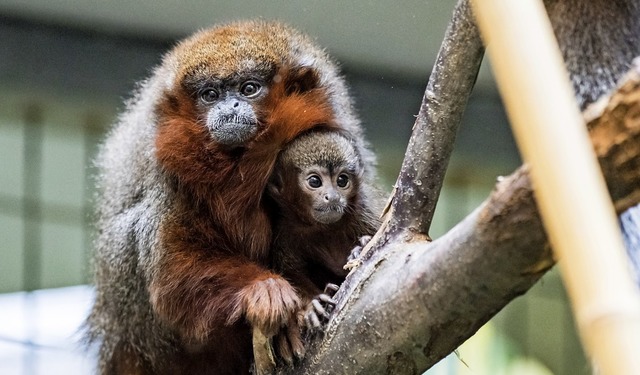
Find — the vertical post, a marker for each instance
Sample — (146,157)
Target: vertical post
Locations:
(570,191)
(32,219)
(31,208)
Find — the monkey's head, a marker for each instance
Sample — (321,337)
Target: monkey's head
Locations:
(247,85)
(227,99)
(317,176)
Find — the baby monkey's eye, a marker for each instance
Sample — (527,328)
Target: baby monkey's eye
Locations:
(250,89)
(314,181)
(343,180)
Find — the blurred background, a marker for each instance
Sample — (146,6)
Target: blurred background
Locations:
(67,66)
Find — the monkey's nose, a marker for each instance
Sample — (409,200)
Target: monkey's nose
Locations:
(331,197)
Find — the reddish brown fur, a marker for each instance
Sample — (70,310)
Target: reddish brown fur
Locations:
(213,268)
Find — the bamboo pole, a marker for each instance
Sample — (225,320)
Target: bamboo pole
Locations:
(570,191)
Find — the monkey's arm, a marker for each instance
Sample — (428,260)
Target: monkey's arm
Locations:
(196,291)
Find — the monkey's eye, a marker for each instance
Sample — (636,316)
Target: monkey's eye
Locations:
(209,95)
(342,180)
(250,89)
(314,181)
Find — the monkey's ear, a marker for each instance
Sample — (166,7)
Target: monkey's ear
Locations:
(300,80)
(274,187)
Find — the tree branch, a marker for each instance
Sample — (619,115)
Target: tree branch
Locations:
(434,132)
(606,120)
(416,301)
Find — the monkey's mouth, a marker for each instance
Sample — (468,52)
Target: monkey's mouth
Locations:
(328,214)
(233,133)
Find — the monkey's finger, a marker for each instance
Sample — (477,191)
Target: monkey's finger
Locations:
(357,250)
(312,322)
(364,240)
(295,339)
(300,317)
(354,254)
(284,350)
(317,306)
(327,299)
(331,287)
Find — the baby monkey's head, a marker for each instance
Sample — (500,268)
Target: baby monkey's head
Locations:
(317,176)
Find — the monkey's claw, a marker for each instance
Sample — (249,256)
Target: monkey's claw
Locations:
(355,252)
(318,311)
(330,289)
(289,343)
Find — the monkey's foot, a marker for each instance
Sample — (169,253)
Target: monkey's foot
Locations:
(330,289)
(288,346)
(318,311)
(288,343)
(353,260)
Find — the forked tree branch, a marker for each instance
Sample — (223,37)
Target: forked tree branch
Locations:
(434,132)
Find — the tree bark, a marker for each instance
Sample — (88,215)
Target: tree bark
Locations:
(436,126)
(416,301)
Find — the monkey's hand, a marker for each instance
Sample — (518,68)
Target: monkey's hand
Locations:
(353,260)
(271,307)
(318,311)
(270,304)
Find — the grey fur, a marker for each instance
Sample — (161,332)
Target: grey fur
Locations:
(322,148)
(599,39)
(132,199)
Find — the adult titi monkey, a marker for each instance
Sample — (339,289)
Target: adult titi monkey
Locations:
(183,230)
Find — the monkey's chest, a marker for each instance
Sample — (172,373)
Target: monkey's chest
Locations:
(250,234)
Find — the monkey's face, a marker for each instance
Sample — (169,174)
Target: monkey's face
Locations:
(228,108)
(235,94)
(226,71)
(328,192)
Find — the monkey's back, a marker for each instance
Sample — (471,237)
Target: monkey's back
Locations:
(130,202)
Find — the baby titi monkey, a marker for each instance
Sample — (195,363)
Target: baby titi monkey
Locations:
(322,210)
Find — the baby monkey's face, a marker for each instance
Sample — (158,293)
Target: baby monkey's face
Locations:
(329,192)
